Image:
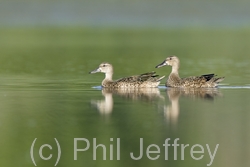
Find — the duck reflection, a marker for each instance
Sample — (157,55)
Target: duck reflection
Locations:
(105,106)
(172,111)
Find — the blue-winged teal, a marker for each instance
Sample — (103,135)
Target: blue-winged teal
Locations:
(203,81)
(138,81)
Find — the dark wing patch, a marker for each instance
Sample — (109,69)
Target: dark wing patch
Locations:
(208,76)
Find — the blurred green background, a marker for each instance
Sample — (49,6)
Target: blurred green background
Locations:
(48,47)
(72,37)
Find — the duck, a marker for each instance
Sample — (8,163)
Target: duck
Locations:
(146,80)
(174,80)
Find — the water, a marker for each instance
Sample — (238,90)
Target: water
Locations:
(47,93)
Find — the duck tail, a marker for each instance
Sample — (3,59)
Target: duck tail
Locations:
(218,80)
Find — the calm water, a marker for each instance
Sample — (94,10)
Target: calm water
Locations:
(46,93)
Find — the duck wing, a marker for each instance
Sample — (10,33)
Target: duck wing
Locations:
(201,81)
(149,76)
(194,81)
(208,76)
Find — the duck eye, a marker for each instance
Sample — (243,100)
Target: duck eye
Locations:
(170,58)
(104,65)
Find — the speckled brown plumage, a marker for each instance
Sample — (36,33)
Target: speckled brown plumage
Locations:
(138,81)
(203,81)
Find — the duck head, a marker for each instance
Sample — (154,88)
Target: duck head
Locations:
(170,61)
(106,68)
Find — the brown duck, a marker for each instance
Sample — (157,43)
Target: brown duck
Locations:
(146,80)
(203,81)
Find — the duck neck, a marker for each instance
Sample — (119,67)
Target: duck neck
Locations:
(108,79)
(108,76)
(175,69)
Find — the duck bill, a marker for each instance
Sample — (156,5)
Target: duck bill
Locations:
(162,64)
(95,71)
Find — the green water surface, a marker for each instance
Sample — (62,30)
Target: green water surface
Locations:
(46,93)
